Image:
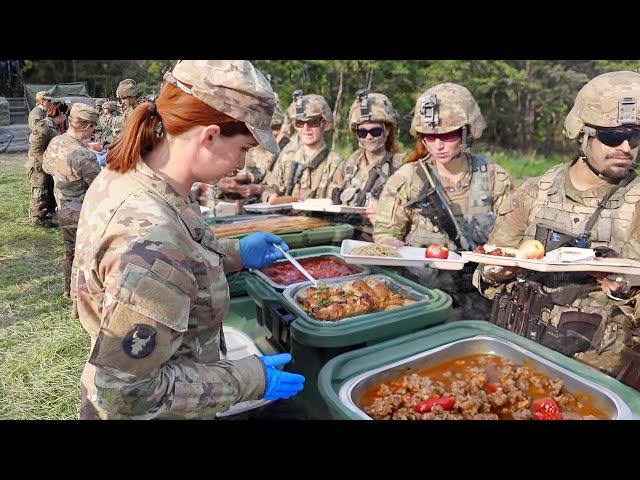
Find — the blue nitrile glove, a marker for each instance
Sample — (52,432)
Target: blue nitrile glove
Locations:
(257,251)
(280,384)
(102,157)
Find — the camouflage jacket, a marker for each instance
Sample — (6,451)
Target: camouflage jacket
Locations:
(42,133)
(152,294)
(258,164)
(73,168)
(38,113)
(104,128)
(397,225)
(120,121)
(552,200)
(353,174)
(311,182)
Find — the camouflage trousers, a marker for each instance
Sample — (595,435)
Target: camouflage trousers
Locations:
(41,201)
(68,220)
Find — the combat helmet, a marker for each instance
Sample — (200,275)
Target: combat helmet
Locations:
(371,107)
(445,108)
(278,115)
(608,100)
(305,107)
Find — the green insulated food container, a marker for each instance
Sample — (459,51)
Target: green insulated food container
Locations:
(329,235)
(344,379)
(312,342)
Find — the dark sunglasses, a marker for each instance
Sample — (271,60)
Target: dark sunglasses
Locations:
(375,132)
(443,137)
(615,136)
(312,122)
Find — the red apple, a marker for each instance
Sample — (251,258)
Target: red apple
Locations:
(531,249)
(435,250)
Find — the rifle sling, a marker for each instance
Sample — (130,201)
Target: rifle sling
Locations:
(373,176)
(603,203)
(296,172)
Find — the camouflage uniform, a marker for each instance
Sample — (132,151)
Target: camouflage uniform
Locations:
(149,278)
(41,201)
(125,88)
(104,128)
(296,174)
(38,112)
(607,328)
(73,167)
(473,200)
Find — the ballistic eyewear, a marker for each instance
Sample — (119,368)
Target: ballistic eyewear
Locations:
(312,122)
(616,136)
(443,137)
(375,132)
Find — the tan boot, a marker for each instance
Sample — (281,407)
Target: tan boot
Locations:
(74,310)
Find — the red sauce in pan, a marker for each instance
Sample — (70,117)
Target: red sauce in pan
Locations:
(284,273)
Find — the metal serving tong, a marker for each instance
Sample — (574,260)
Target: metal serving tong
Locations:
(296,264)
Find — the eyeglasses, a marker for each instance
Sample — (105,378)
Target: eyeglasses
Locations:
(312,122)
(375,132)
(615,136)
(443,137)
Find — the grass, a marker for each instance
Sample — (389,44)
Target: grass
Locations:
(42,349)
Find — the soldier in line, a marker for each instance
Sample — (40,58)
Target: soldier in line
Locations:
(73,167)
(306,171)
(361,178)
(108,115)
(43,99)
(98,102)
(149,277)
(128,96)
(444,194)
(42,203)
(590,202)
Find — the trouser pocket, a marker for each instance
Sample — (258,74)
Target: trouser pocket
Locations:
(629,372)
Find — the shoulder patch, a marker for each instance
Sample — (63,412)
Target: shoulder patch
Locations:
(140,341)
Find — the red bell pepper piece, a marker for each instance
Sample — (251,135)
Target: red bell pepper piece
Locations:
(446,403)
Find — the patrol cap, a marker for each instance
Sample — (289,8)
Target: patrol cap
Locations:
(233,87)
(126,88)
(99,102)
(305,107)
(110,105)
(81,111)
(43,95)
(608,100)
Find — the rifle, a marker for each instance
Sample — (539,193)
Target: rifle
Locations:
(433,202)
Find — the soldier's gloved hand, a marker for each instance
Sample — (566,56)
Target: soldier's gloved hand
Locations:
(257,250)
(498,274)
(280,384)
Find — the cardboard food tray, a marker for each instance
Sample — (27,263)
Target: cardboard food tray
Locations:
(329,208)
(266,207)
(410,257)
(607,265)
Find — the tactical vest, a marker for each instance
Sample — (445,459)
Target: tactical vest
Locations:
(355,190)
(477,220)
(553,208)
(296,170)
